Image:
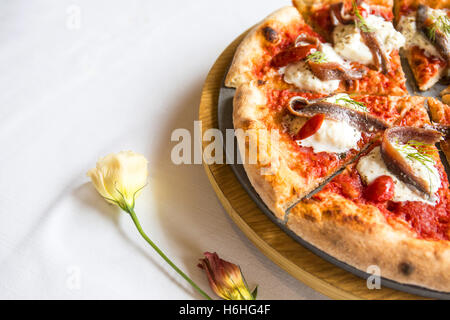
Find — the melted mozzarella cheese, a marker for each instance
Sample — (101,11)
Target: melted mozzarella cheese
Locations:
(350,45)
(301,76)
(333,137)
(389,37)
(331,54)
(407,26)
(372,166)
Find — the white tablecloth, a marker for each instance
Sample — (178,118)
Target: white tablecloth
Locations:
(80,79)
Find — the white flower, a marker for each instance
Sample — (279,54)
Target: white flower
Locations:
(120,177)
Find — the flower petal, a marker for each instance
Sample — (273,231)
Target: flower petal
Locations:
(120,177)
(225,278)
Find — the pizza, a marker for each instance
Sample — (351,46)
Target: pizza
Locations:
(336,147)
(426,30)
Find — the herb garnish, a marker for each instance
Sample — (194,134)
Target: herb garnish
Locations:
(360,22)
(418,151)
(441,23)
(356,104)
(318,57)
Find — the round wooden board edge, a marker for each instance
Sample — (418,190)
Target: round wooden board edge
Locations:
(208,117)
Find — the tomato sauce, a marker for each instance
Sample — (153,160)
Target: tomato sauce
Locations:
(278,99)
(348,185)
(383,12)
(379,106)
(426,66)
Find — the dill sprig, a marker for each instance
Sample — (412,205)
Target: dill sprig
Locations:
(318,57)
(360,22)
(420,152)
(441,23)
(416,150)
(356,104)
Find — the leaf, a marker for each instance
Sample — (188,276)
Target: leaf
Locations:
(317,57)
(361,23)
(255,293)
(441,23)
(420,152)
(356,104)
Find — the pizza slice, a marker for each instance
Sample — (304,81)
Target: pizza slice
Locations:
(389,209)
(298,140)
(275,34)
(426,28)
(363,35)
(445,95)
(440,115)
(284,52)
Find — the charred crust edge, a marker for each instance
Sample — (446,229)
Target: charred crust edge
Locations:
(270,34)
(406,268)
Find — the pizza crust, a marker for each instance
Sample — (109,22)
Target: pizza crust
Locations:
(361,237)
(415,114)
(440,113)
(276,190)
(252,46)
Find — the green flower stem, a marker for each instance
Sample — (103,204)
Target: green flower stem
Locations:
(154,246)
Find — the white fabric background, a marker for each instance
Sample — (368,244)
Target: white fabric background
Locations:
(125,79)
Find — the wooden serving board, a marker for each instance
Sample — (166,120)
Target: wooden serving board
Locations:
(265,235)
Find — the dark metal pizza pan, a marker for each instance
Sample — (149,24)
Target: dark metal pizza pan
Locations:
(225,121)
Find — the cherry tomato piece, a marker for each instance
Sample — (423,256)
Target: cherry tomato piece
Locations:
(310,127)
(292,54)
(381,189)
